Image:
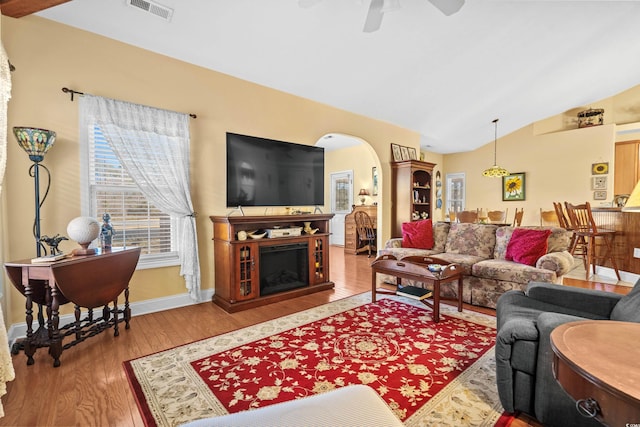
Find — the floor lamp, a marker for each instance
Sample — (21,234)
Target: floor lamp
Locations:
(36,142)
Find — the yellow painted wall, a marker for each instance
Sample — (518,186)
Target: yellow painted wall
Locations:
(557,166)
(49,56)
(359,159)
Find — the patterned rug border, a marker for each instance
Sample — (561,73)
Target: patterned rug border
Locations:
(469,389)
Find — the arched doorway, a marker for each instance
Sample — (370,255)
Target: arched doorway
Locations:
(351,165)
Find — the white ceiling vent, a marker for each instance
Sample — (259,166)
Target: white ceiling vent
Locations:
(152,7)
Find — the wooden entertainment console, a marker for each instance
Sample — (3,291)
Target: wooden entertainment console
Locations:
(237,262)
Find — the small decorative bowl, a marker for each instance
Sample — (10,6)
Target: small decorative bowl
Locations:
(434,267)
(257,236)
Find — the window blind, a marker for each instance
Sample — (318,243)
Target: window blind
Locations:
(135,220)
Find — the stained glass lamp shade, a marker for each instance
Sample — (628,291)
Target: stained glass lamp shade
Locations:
(495,171)
(35,141)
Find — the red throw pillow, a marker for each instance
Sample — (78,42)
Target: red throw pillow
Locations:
(526,246)
(417,234)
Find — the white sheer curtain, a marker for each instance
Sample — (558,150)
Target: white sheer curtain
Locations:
(153,147)
(6,366)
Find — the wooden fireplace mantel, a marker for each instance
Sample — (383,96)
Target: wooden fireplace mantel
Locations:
(237,260)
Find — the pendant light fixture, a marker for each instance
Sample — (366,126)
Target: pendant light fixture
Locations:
(495,171)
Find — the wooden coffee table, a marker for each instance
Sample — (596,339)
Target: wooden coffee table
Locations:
(597,362)
(416,268)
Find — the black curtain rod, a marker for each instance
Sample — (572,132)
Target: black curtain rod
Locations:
(75,92)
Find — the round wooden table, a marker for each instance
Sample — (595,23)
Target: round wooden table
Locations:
(598,363)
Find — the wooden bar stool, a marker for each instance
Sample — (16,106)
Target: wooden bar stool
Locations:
(564,222)
(587,233)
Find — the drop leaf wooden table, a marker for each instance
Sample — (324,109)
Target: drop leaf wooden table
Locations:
(88,281)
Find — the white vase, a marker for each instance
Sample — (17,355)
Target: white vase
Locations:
(83,230)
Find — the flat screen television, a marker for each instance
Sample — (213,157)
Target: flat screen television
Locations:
(266,172)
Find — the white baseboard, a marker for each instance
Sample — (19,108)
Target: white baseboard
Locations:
(19,330)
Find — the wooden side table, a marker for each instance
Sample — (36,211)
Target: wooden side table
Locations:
(416,268)
(87,281)
(597,362)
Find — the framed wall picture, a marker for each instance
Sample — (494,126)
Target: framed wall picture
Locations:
(513,186)
(405,152)
(397,154)
(413,154)
(599,195)
(599,183)
(374,180)
(600,168)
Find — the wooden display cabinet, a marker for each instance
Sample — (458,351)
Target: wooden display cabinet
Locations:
(237,262)
(411,192)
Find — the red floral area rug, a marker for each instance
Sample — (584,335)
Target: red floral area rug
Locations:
(428,373)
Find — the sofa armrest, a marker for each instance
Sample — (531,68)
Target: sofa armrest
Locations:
(560,262)
(394,242)
(598,303)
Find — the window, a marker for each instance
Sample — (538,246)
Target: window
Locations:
(455,192)
(135,220)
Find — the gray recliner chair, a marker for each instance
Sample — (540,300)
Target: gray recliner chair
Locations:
(523,348)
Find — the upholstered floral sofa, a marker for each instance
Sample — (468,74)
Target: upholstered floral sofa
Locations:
(491,265)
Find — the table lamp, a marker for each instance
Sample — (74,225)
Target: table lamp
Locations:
(633,203)
(363,195)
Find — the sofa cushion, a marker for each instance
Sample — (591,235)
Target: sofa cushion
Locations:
(471,239)
(417,234)
(440,234)
(559,240)
(510,271)
(526,246)
(628,308)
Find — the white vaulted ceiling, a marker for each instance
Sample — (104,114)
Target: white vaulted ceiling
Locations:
(445,77)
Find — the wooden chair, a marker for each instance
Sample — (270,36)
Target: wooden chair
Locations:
(498,216)
(588,233)
(564,222)
(366,233)
(548,218)
(468,216)
(517,218)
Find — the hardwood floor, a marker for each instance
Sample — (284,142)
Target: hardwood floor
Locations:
(90,387)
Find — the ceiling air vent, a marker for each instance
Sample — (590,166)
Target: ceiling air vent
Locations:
(152,7)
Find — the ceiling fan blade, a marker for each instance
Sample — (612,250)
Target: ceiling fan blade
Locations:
(448,7)
(308,3)
(374,16)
